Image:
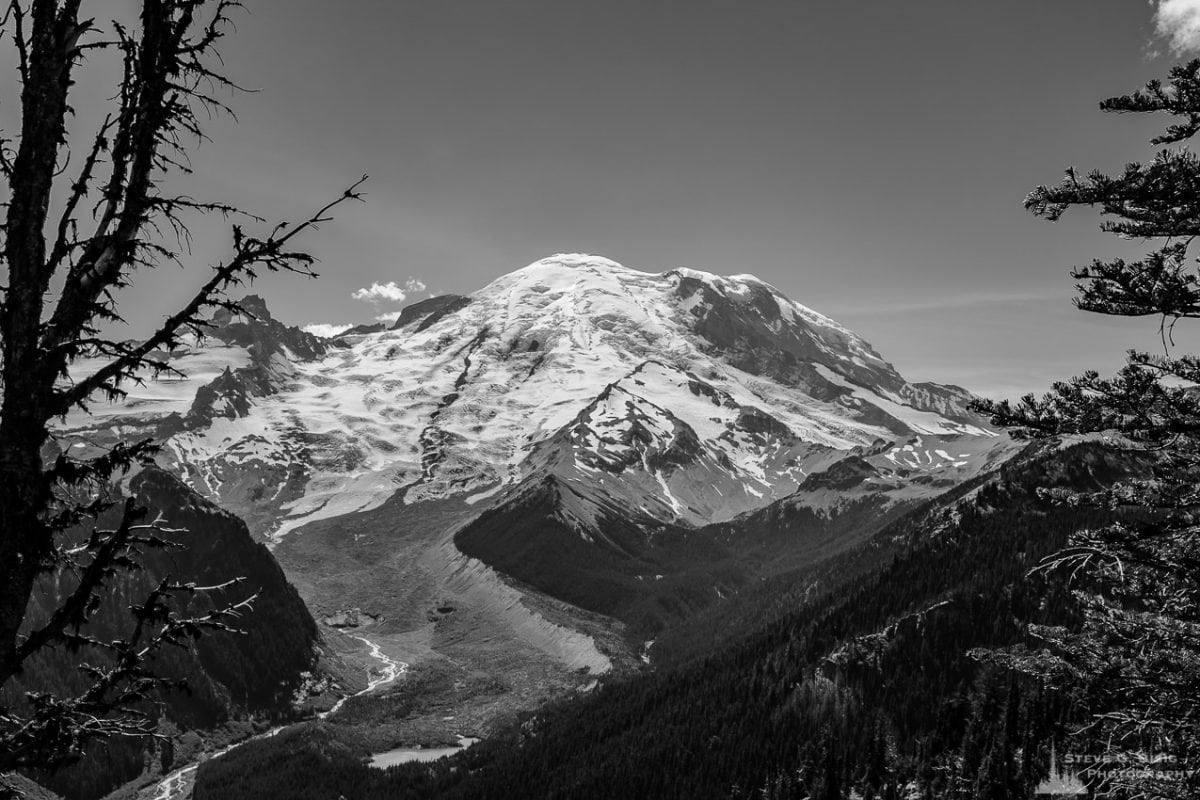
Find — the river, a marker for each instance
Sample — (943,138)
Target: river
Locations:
(178,784)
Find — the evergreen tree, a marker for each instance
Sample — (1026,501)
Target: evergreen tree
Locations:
(1137,581)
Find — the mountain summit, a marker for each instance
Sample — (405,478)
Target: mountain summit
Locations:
(682,396)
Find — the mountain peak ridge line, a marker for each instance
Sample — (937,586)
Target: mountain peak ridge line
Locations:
(731,396)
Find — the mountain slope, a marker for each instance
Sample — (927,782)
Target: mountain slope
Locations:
(516,489)
(613,438)
(869,692)
(668,384)
(259,673)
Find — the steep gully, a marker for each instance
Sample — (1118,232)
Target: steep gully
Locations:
(178,784)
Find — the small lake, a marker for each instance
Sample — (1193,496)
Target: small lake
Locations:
(405,755)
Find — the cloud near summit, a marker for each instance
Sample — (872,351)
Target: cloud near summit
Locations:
(390,292)
(1178,22)
(379,295)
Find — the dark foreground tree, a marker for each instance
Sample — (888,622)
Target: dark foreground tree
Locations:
(1138,581)
(79,221)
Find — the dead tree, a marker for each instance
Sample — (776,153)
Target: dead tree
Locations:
(76,230)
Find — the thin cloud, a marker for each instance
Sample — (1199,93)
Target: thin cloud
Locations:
(1178,23)
(390,316)
(325,329)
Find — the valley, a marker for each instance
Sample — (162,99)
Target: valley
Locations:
(481,648)
(178,784)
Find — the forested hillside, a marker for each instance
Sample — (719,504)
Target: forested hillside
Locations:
(871,688)
(226,676)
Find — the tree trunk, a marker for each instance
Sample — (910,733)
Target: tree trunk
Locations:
(24,541)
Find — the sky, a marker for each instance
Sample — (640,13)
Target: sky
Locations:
(867,158)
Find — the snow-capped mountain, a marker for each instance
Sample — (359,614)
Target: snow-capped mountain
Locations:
(680,397)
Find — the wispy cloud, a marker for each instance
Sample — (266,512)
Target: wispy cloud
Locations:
(1178,23)
(325,329)
(390,316)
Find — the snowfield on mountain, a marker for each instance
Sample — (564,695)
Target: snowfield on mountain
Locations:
(683,396)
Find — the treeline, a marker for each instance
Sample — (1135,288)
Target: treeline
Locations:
(870,689)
